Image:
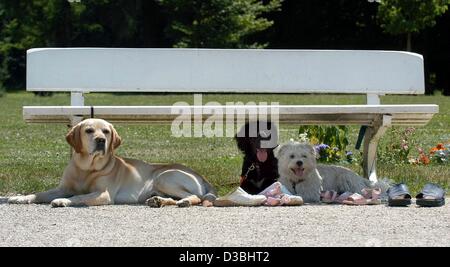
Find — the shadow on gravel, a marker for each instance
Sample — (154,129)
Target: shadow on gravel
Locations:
(4,201)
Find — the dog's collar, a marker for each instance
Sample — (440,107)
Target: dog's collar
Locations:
(295,183)
(251,168)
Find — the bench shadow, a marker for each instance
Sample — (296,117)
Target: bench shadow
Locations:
(4,201)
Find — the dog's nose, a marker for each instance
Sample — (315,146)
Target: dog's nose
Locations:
(299,163)
(100,140)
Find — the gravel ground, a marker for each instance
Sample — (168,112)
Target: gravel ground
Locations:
(308,225)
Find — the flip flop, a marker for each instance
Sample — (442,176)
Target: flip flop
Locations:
(273,190)
(290,200)
(355,199)
(432,195)
(271,201)
(399,196)
(373,195)
(342,197)
(328,196)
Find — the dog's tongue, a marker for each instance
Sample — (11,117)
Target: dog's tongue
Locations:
(261,154)
(298,172)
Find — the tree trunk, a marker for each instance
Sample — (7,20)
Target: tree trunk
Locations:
(408,42)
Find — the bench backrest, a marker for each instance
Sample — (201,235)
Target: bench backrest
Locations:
(224,70)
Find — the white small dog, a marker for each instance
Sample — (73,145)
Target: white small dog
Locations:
(301,174)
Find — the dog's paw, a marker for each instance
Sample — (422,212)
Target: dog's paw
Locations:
(207,203)
(21,199)
(154,202)
(61,202)
(183,204)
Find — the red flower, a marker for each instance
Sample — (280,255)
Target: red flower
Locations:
(439,147)
(424,159)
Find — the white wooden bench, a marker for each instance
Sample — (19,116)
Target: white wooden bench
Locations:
(373,73)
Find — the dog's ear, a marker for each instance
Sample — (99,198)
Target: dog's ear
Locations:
(280,150)
(116,140)
(74,138)
(242,140)
(242,143)
(311,150)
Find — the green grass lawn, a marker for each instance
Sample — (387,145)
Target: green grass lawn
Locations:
(33,156)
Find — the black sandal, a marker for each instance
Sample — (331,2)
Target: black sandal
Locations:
(399,196)
(432,195)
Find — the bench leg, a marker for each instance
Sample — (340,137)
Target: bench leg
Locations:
(371,138)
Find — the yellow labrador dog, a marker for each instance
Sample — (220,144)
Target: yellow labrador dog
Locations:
(95,176)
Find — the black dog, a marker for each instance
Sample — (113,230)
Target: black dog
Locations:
(257,140)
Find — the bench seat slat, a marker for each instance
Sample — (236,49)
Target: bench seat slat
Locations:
(305,114)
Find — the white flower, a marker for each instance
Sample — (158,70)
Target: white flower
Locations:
(303,138)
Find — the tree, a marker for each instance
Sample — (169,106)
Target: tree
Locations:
(17,32)
(337,24)
(409,16)
(217,23)
(62,23)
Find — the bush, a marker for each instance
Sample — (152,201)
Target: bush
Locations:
(12,67)
(218,24)
(330,142)
(439,154)
(402,150)
(398,151)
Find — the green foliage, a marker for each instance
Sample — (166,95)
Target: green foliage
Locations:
(398,150)
(60,23)
(217,23)
(334,136)
(24,24)
(410,16)
(440,154)
(12,65)
(123,23)
(330,142)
